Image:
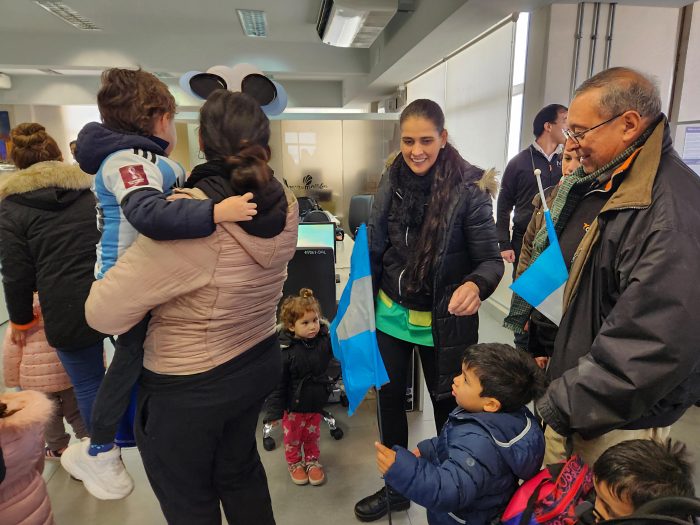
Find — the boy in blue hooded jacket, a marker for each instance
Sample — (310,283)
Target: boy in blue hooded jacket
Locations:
(469,472)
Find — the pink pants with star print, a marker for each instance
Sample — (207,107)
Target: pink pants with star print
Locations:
(301,430)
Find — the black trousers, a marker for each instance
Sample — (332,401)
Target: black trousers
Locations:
(196,435)
(520,340)
(397,355)
(114,394)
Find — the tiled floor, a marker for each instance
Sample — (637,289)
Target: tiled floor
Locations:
(349,463)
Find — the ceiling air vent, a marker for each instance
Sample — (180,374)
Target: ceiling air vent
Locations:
(354,23)
(68,15)
(254,23)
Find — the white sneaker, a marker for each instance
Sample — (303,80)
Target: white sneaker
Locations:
(104,475)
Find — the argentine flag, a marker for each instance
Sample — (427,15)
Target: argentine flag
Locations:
(542,284)
(353,331)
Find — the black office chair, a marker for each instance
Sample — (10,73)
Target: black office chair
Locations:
(360,210)
(317,216)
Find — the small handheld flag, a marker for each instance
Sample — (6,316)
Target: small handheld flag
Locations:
(353,331)
(542,284)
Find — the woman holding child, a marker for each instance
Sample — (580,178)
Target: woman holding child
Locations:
(211,355)
(435,257)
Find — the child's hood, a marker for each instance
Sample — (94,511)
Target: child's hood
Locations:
(96,142)
(517,436)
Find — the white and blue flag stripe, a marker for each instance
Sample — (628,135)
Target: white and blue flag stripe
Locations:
(353,331)
(542,284)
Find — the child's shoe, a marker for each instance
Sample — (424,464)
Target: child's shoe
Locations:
(104,475)
(315,472)
(298,474)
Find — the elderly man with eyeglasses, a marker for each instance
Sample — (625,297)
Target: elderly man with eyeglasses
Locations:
(626,360)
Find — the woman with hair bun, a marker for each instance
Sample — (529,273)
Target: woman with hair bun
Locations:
(212,354)
(47,244)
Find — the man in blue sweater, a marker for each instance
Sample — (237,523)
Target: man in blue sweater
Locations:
(469,472)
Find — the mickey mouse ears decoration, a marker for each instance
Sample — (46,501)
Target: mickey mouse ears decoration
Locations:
(245,78)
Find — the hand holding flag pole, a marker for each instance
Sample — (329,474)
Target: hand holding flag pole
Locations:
(542,284)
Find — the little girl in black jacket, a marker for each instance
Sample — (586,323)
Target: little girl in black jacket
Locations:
(304,387)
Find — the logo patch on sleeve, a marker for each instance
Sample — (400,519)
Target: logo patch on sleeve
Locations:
(133,176)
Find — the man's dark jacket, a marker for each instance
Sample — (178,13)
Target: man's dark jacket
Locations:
(467,251)
(627,353)
(518,188)
(48,233)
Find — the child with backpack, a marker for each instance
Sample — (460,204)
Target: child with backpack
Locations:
(635,472)
(304,387)
(626,477)
(491,440)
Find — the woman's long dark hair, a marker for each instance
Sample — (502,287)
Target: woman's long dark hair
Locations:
(235,130)
(448,175)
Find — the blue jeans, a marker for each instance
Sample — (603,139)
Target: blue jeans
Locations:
(86,368)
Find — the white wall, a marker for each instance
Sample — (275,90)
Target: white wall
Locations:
(648,44)
(61,122)
(429,85)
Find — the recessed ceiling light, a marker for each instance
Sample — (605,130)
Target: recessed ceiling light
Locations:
(253,22)
(68,15)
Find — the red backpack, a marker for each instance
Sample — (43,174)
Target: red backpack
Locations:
(551,496)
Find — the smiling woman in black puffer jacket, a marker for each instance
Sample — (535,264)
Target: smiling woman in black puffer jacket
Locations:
(434,257)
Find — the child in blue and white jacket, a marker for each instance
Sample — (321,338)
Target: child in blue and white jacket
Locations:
(134,180)
(469,472)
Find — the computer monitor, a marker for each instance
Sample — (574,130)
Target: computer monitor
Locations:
(316,235)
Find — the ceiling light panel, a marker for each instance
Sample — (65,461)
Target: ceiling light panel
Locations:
(68,15)
(253,22)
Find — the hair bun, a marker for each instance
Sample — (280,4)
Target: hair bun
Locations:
(31,144)
(249,168)
(28,135)
(306,293)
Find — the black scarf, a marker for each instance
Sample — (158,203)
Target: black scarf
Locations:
(414,192)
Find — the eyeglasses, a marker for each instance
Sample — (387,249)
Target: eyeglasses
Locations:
(579,134)
(598,517)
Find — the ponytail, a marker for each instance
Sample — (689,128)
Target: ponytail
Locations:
(249,168)
(234,129)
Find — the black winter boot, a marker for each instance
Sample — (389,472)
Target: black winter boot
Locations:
(373,507)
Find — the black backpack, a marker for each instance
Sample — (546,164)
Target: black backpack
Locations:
(661,511)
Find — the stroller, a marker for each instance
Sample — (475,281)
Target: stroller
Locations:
(336,395)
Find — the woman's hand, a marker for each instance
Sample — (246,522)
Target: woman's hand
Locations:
(465,300)
(18,337)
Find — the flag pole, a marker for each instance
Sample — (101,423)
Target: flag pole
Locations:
(538,174)
(381,440)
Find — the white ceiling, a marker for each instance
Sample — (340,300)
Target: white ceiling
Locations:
(174,36)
